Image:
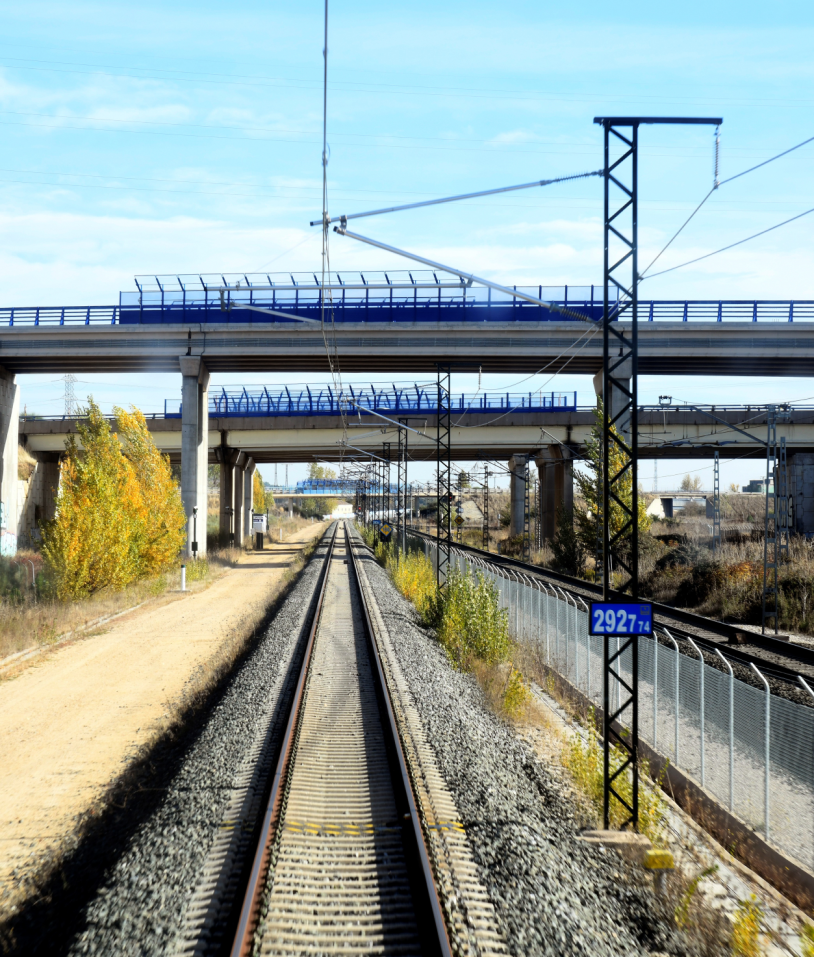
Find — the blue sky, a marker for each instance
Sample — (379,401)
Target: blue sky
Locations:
(182,137)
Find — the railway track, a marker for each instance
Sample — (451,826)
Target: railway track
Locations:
(782,661)
(344,863)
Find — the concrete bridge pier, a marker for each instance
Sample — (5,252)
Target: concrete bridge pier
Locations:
(238,493)
(801,488)
(9,439)
(556,468)
(194,448)
(39,497)
(227,470)
(618,398)
(519,469)
(248,499)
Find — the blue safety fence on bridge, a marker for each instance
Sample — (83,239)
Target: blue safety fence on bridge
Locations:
(361,400)
(376,297)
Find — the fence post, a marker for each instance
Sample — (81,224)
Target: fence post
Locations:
(731,730)
(588,648)
(588,640)
(701,713)
(655,690)
(767,770)
(526,615)
(678,708)
(547,629)
(559,629)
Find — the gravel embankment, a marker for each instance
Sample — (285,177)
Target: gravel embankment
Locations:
(553,894)
(139,908)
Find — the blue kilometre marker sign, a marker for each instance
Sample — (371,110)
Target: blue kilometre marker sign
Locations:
(621,618)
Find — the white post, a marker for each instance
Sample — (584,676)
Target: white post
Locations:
(731,730)
(183,578)
(655,689)
(701,713)
(590,652)
(678,705)
(767,749)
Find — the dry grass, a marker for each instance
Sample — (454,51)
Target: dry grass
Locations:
(146,770)
(26,464)
(30,622)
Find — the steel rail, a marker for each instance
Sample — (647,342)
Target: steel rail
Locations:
(731,635)
(430,924)
(247,922)
(432,927)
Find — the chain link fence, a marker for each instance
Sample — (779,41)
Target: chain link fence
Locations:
(751,750)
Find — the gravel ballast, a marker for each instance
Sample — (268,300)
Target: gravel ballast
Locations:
(140,907)
(554,894)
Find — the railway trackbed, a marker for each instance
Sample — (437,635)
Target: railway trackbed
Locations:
(348,859)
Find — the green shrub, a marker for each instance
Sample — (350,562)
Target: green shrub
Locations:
(471,622)
(584,761)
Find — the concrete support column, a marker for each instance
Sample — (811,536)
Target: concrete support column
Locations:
(194,448)
(9,440)
(618,398)
(519,469)
(227,471)
(248,500)
(547,462)
(556,469)
(239,475)
(801,488)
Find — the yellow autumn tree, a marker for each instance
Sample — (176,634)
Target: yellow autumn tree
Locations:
(259,494)
(588,517)
(161,520)
(119,514)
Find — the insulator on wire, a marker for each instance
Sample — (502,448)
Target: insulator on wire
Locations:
(717,154)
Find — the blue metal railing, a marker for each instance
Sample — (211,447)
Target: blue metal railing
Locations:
(376,297)
(322,487)
(323,400)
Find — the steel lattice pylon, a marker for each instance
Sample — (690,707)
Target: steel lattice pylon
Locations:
(776,522)
(716,505)
(620,544)
(486,474)
(386,482)
(402,486)
(443,474)
(619,501)
(527,513)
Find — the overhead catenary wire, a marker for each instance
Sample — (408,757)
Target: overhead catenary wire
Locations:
(716,185)
(723,249)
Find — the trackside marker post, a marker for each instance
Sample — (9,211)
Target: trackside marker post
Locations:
(619,619)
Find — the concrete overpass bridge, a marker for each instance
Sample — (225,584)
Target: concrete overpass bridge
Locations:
(549,429)
(375,322)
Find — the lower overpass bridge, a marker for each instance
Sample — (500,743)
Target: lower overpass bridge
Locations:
(548,429)
(375,322)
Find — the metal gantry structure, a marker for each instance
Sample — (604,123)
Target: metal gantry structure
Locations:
(444,475)
(620,487)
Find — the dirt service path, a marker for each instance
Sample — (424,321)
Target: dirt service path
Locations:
(70,724)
